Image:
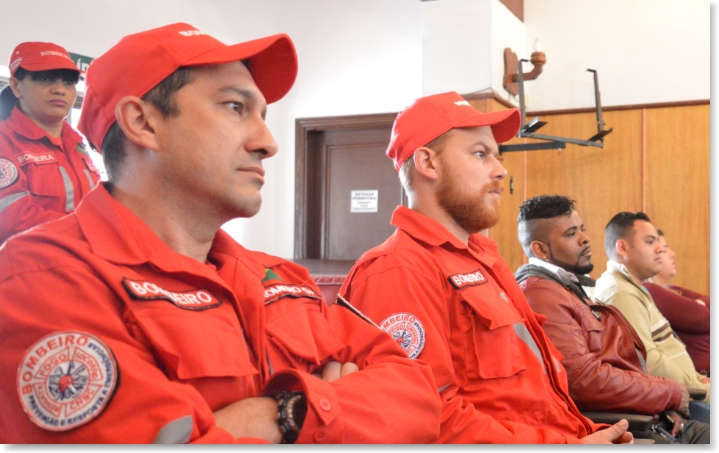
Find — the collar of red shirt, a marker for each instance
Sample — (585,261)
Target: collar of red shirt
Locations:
(117,235)
(429,231)
(22,125)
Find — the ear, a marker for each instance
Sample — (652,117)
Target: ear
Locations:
(425,162)
(539,249)
(14,86)
(622,248)
(138,120)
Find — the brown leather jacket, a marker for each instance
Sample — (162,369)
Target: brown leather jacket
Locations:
(603,355)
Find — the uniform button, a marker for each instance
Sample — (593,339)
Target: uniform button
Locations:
(325,405)
(320,435)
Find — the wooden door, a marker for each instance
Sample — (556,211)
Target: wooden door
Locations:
(346,187)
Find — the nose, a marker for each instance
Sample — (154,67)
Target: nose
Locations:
(583,238)
(261,141)
(499,172)
(58,86)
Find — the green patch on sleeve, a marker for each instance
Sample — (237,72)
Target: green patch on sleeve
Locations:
(271,275)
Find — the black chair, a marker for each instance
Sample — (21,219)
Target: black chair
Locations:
(637,422)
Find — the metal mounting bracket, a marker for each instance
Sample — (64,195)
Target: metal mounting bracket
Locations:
(553,142)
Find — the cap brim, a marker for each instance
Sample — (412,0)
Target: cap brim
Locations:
(272,63)
(57,63)
(505,123)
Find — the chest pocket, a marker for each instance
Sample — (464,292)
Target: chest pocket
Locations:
(301,338)
(44,179)
(492,344)
(193,344)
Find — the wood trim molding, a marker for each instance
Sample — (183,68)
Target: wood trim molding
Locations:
(621,107)
(345,122)
(516,7)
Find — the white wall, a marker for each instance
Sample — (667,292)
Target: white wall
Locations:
(355,57)
(456,46)
(376,56)
(645,51)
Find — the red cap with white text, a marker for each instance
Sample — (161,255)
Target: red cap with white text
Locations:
(431,116)
(139,62)
(40,56)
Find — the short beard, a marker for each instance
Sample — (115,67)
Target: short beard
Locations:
(469,210)
(573,268)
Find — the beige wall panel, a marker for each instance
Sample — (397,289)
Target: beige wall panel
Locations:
(603,181)
(505,232)
(678,184)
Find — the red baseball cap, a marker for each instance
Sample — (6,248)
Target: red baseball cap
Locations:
(40,56)
(431,116)
(139,62)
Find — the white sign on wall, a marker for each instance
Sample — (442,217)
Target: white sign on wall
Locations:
(364,200)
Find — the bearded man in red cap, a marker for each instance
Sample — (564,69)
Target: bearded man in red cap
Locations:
(136,319)
(443,292)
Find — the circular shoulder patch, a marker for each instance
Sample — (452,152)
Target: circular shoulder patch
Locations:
(8,172)
(66,379)
(407,330)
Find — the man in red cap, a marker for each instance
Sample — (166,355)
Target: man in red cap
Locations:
(446,296)
(137,319)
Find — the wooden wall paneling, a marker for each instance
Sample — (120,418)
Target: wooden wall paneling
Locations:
(678,184)
(603,181)
(505,232)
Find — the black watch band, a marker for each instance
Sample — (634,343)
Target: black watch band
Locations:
(291,411)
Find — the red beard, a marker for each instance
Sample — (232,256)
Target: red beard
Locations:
(471,211)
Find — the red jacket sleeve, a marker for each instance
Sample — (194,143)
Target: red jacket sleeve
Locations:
(392,399)
(462,422)
(683,313)
(595,385)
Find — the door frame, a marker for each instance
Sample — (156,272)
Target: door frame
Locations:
(310,180)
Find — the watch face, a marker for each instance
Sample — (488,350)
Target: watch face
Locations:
(299,409)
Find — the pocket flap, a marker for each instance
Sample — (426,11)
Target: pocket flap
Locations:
(492,310)
(305,333)
(45,180)
(194,347)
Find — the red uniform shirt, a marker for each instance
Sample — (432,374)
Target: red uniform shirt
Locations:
(460,309)
(42,178)
(188,339)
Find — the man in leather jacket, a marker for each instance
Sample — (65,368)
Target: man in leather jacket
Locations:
(603,355)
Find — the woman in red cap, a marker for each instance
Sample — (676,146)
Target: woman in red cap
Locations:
(45,169)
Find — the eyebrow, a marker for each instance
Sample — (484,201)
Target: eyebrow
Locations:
(487,146)
(250,95)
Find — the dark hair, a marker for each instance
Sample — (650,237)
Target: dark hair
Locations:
(162,97)
(540,207)
(8,101)
(545,207)
(619,228)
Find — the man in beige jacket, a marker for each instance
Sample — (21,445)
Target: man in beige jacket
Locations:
(634,252)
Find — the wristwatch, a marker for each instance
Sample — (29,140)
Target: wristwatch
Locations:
(291,411)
